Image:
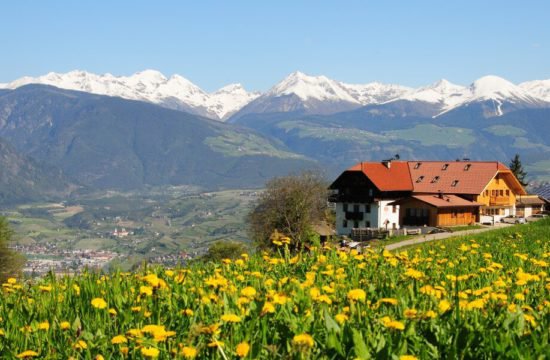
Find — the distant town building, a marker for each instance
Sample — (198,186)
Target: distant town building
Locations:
(120,233)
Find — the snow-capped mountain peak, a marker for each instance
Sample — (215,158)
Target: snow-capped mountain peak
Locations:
(312,94)
(311,87)
(540,88)
(152,86)
(495,88)
(442,92)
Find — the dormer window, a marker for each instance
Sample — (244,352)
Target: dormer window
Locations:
(420,178)
(467,167)
(455,183)
(435,179)
(417,165)
(445,166)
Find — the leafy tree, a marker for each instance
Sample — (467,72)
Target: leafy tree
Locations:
(11,262)
(289,205)
(517,169)
(225,250)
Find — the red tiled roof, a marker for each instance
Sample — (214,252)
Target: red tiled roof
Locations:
(433,177)
(454,177)
(445,201)
(394,178)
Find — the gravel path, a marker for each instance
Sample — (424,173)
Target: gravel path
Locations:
(432,237)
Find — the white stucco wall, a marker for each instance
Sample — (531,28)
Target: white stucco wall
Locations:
(379,213)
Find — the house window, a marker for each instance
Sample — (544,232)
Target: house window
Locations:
(486,192)
(445,167)
(507,192)
(417,165)
(455,183)
(435,179)
(467,167)
(356,224)
(367,224)
(393,209)
(501,192)
(356,208)
(345,206)
(345,223)
(367,208)
(370,192)
(420,178)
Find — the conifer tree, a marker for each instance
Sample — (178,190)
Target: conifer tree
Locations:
(517,169)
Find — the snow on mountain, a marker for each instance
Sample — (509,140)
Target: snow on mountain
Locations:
(296,92)
(496,88)
(447,96)
(443,93)
(229,99)
(540,88)
(375,92)
(311,87)
(152,86)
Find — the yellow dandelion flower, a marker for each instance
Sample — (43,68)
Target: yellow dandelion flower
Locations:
(27,354)
(303,341)
(64,325)
(80,345)
(146,290)
(216,343)
(357,295)
(248,291)
(268,308)
(189,352)
(390,301)
(45,288)
(150,352)
(408,357)
(44,326)
(119,339)
(231,318)
(341,318)
(444,306)
(242,349)
(99,303)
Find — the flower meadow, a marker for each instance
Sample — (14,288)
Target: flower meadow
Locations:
(484,296)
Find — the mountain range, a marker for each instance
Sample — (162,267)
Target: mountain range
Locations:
(102,131)
(298,92)
(109,142)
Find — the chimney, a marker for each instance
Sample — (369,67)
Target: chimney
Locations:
(387,163)
(440,194)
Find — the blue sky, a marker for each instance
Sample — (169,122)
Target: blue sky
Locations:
(257,43)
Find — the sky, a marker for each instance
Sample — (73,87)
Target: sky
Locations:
(258,43)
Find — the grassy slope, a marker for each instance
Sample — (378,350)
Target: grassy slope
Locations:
(484,296)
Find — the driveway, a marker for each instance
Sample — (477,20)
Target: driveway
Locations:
(432,237)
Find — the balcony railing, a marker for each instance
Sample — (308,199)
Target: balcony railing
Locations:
(499,200)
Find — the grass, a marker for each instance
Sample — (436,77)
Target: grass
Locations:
(480,296)
(465,228)
(429,135)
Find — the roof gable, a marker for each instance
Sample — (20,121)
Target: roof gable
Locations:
(394,177)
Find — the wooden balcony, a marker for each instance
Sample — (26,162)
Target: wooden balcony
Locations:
(499,201)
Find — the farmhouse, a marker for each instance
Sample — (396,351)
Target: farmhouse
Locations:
(391,194)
